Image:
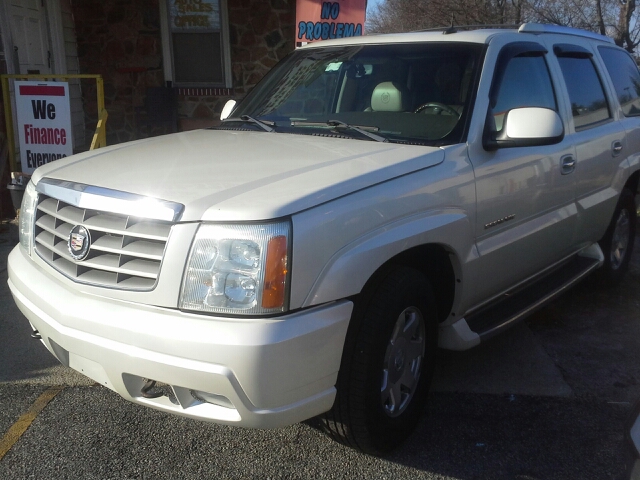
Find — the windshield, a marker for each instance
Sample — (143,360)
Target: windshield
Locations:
(410,93)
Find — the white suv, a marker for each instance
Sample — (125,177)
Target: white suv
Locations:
(372,199)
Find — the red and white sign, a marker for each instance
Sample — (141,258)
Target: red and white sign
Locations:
(44,122)
(322,20)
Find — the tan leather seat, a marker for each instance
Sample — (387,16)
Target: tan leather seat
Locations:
(387,97)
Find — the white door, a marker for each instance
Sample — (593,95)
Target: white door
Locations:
(29,32)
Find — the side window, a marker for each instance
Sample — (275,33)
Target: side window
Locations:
(626,78)
(588,102)
(525,83)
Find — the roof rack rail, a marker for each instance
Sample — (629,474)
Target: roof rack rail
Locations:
(536,28)
(545,28)
(454,28)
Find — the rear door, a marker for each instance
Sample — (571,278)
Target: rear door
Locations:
(597,133)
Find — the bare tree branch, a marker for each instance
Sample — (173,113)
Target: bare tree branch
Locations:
(618,19)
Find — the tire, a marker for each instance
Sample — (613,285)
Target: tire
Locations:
(617,243)
(387,365)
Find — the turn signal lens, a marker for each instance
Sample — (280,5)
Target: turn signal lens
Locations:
(275,276)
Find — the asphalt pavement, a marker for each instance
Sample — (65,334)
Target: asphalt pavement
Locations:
(545,400)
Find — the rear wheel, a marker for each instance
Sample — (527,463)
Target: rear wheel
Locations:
(617,243)
(387,365)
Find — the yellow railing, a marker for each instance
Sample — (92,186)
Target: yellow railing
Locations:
(100,135)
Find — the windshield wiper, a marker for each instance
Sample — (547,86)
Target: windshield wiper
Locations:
(357,128)
(361,129)
(263,124)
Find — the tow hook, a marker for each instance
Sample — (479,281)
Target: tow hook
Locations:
(36,335)
(147,390)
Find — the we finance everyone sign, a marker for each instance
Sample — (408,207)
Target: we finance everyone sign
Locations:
(322,20)
(44,122)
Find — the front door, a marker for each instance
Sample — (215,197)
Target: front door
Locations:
(526,215)
(30,38)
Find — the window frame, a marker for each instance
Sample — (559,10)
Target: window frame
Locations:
(509,52)
(568,50)
(167,50)
(601,49)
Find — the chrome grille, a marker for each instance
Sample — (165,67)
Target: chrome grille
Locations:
(125,252)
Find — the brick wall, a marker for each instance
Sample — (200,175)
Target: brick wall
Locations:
(120,39)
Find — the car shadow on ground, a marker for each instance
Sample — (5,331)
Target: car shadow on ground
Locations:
(21,357)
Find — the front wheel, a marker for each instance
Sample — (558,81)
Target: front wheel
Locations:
(387,365)
(617,243)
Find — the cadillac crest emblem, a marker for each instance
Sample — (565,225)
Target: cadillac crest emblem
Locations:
(79,242)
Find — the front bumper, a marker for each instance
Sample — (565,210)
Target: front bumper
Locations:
(259,373)
(633,442)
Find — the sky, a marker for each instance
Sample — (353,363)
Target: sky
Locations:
(372,4)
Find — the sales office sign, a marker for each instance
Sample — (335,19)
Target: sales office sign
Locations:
(44,123)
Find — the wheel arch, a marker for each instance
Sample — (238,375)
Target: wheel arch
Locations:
(435,245)
(633,181)
(438,264)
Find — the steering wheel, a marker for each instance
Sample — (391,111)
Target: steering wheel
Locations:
(437,105)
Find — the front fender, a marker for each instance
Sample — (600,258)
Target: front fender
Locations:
(349,269)
(338,245)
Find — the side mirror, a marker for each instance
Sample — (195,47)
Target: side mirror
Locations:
(227,109)
(524,127)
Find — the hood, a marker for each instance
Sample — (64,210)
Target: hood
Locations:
(228,175)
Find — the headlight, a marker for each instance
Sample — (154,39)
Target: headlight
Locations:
(27,213)
(238,269)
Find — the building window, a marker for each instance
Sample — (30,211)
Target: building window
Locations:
(198,43)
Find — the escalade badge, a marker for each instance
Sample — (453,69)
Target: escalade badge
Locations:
(79,242)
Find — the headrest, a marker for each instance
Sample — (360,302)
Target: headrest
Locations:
(386,97)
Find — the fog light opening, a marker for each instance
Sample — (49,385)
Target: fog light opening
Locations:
(212,398)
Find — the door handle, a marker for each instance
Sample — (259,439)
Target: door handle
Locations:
(568,164)
(616,148)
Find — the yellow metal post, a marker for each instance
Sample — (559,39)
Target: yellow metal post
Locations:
(8,118)
(100,94)
(100,135)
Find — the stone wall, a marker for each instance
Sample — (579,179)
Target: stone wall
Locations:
(120,39)
(261,32)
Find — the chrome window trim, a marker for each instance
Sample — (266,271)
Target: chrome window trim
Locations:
(114,201)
